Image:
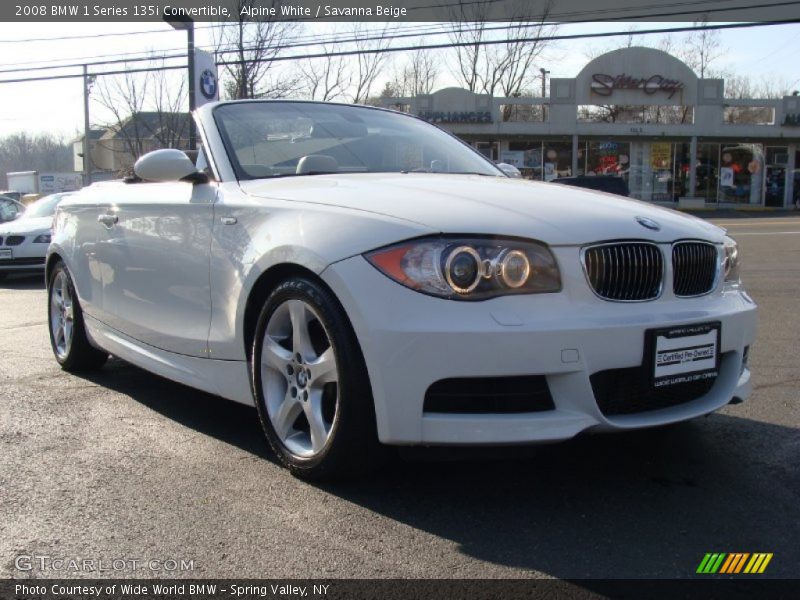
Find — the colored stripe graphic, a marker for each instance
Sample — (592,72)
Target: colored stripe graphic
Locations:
(711,562)
(734,563)
(741,562)
(758,563)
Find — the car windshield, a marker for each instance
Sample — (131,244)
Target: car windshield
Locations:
(44,207)
(280,139)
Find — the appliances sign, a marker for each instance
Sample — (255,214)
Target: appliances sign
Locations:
(457,117)
(604,85)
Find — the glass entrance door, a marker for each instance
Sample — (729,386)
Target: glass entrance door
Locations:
(640,177)
(488,149)
(775,176)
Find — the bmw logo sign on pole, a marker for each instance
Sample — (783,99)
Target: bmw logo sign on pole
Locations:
(208,84)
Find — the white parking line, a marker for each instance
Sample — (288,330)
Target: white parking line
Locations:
(750,223)
(741,233)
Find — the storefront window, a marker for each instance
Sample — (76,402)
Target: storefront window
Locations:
(557,160)
(740,173)
(796,179)
(707,172)
(775,175)
(526,156)
(607,158)
(488,149)
(681,167)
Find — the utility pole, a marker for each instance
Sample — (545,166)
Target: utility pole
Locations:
(87,148)
(192,100)
(186,23)
(544,73)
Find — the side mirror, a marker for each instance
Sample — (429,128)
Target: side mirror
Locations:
(509,170)
(168,164)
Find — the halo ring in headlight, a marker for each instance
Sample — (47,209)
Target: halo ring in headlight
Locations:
(463,269)
(514,269)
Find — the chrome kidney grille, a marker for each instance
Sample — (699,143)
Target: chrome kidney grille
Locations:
(625,271)
(694,266)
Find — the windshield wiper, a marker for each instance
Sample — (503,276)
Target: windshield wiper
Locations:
(449,173)
(472,173)
(280,175)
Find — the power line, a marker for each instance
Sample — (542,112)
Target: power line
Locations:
(97,35)
(316,41)
(319,39)
(435,46)
(552,17)
(521,40)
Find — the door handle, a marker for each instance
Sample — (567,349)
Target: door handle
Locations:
(108,220)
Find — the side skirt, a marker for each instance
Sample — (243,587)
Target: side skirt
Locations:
(227,378)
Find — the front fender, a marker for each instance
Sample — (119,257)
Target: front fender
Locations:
(263,234)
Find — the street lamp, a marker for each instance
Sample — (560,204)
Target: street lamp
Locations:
(544,73)
(183,22)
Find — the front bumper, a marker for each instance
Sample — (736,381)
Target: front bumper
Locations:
(27,257)
(410,340)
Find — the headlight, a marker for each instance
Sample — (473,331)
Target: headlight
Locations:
(730,265)
(469,268)
(42,239)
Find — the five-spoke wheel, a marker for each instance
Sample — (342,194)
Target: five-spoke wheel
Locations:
(61,314)
(300,379)
(65,322)
(311,385)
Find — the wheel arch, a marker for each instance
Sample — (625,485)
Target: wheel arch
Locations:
(52,259)
(263,287)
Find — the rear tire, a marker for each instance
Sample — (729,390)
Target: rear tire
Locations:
(311,385)
(68,338)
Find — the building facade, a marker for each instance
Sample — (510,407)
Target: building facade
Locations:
(114,150)
(644,115)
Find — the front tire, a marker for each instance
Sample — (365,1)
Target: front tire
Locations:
(311,385)
(68,338)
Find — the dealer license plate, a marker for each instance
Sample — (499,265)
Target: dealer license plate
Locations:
(6,254)
(684,354)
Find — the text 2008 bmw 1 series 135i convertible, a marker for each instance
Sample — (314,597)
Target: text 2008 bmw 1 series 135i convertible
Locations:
(366,279)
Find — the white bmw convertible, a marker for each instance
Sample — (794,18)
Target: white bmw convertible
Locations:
(366,279)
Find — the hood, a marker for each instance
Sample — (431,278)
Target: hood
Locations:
(472,204)
(26,226)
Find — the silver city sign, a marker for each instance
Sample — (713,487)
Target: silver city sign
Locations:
(604,85)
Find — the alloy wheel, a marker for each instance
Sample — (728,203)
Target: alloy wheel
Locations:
(61,314)
(300,378)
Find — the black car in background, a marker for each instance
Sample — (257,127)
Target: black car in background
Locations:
(602,183)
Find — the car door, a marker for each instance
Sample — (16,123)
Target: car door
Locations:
(154,247)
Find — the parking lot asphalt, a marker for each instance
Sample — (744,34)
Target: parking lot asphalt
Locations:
(122,464)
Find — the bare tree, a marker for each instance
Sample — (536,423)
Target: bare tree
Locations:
(421,72)
(369,62)
(169,100)
(468,32)
(45,152)
(506,68)
(248,47)
(326,78)
(146,111)
(417,75)
(124,97)
(701,49)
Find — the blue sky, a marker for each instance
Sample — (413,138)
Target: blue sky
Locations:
(764,53)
